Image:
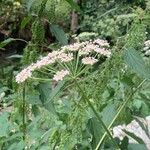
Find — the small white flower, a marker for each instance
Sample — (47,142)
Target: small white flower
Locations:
(63,57)
(60,75)
(89,60)
(101,42)
(24,74)
(100,50)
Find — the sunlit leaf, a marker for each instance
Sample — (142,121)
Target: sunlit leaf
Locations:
(17,146)
(5,42)
(15,56)
(25,21)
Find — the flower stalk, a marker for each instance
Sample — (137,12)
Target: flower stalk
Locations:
(97,115)
(24,112)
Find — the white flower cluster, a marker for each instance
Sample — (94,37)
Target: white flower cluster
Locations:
(24,74)
(44,61)
(89,60)
(65,54)
(99,46)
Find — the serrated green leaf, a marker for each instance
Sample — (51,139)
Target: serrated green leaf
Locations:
(135,61)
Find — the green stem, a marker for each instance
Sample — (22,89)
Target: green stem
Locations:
(118,113)
(41,79)
(76,64)
(24,112)
(97,115)
(21,40)
(51,69)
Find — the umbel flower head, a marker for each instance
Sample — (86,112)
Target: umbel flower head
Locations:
(86,50)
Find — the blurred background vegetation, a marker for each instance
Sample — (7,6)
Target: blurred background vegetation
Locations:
(31,28)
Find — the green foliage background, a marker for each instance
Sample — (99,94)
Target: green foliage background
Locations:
(57,117)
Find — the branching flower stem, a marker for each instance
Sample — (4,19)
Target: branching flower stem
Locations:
(118,113)
(97,115)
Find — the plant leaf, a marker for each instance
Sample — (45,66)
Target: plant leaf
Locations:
(135,61)
(29,4)
(136,147)
(132,135)
(59,34)
(124,143)
(17,146)
(74,5)
(47,94)
(25,21)
(110,111)
(4,125)
(15,56)
(96,130)
(5,42)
